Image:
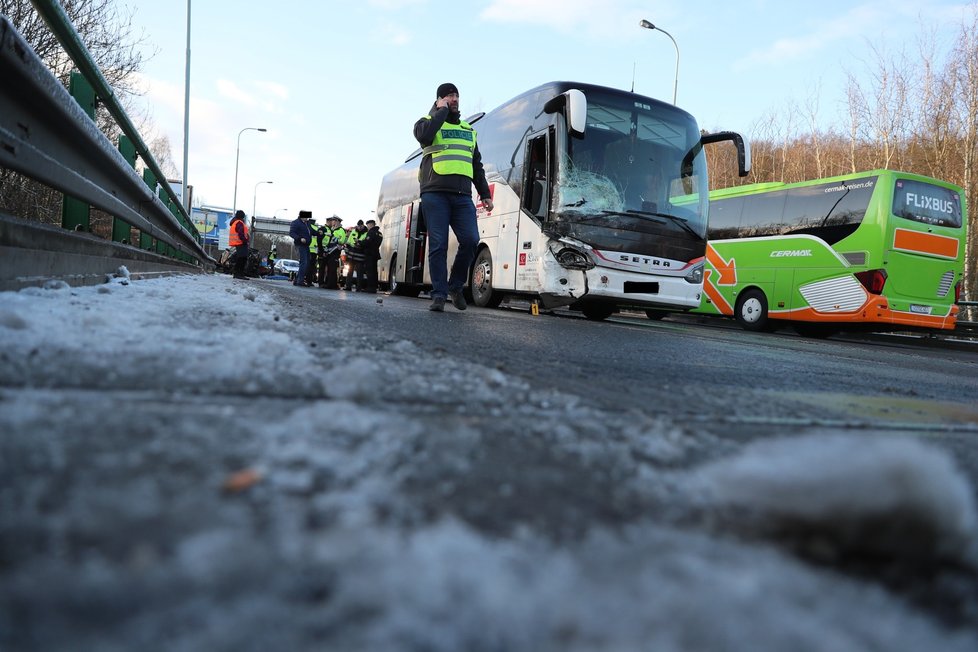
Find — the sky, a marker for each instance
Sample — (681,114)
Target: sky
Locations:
(69,404)
(338,84)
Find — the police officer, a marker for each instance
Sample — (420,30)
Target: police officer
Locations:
(354,254)
(371,255)
(313,253)
(450,166)
(333,242)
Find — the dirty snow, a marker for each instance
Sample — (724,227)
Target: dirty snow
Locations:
(129,404)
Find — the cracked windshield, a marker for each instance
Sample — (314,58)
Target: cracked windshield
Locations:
(630,164)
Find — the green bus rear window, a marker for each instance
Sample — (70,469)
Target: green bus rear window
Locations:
(926,203)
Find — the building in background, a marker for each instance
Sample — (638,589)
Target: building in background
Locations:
(212,223)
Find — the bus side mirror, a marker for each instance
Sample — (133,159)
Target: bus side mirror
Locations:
(573,103)
(743,148)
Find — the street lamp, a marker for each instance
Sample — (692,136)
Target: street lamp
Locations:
(186,119)
(647,25)
(237,157)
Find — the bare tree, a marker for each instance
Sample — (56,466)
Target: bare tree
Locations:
(965,66)
(107,31)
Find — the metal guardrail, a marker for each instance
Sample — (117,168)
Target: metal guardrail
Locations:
(45,135)
(969,327)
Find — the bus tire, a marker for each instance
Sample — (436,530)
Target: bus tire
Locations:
(480,281)
(399,289)
(392,285)
(597,311)
(751,310)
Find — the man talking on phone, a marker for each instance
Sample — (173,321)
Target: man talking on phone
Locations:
(450,166)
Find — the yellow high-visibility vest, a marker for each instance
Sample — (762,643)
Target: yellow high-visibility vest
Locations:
(452,149)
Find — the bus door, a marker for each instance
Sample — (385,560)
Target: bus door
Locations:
(535,204)
(417,238)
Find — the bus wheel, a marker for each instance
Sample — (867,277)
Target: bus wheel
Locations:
(751,311)
(597,311)
(481,281)
(392,284)
(655,315)
(814,330)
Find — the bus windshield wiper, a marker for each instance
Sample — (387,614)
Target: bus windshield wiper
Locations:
(675,219)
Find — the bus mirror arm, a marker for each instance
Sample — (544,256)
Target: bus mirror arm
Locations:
(743,150)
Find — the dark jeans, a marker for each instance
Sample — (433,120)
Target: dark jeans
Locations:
(444,210)
(311,267)
(332,269)
(300,276)
(240,258)
(369,281)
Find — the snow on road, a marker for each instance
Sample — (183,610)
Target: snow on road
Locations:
(179,470)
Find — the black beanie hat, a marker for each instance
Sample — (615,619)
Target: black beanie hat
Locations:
(445,89)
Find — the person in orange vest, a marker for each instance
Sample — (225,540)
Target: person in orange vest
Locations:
(238,238)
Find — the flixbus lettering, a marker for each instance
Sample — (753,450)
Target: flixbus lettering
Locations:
(930,203)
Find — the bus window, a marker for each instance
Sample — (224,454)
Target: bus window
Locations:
(763,215)
(725,218)
(926,203)
(536,190)
(828,211)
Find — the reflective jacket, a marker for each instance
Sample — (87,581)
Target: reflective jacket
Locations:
(334,239)
(451,150)
(452,161)
(239,233)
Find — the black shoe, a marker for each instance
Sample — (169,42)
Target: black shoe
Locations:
(458,300)
(437,305)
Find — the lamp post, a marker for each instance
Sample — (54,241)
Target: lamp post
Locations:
(675,88)
(186,120)
(237,157)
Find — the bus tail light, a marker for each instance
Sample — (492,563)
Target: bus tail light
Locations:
(873,280)
(957,292)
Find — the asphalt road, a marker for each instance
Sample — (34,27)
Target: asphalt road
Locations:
(421,470)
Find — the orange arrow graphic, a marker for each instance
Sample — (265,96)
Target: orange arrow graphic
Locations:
(722,305)
(726,270)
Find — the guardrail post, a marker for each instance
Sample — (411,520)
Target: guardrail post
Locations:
(160,245)
(146,240)
(76,214)
(122,232)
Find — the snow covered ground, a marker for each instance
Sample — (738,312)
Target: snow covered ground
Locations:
(179,469)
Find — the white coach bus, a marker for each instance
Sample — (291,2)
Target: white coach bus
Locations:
(601,199)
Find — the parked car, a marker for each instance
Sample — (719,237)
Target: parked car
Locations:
(287,266)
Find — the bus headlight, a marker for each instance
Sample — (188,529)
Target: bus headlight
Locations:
(695,275)
(573,259)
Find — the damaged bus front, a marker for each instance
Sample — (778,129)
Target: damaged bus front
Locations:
(601,202)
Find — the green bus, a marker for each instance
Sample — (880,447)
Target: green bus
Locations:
(878,250)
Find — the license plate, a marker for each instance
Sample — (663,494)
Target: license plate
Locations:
(921,310)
